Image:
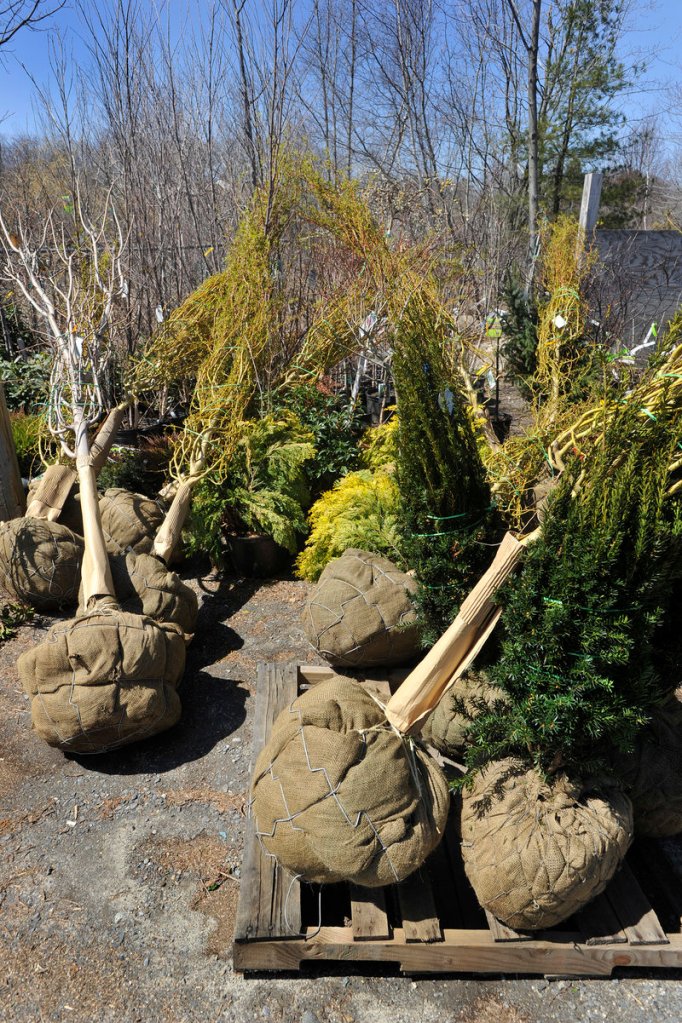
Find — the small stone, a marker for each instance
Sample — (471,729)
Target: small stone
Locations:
(309,1017)
(118,918)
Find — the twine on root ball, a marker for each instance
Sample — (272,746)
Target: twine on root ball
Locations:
(103,680)
(447,728)
(361,614)
(144,586)
(40,562)
(537,851)
(338,794)
(129,521)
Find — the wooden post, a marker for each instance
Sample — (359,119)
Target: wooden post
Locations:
(12,499)
(589,207)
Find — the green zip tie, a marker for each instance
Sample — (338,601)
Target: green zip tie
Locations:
(447,518)
(459,515)
(567,291)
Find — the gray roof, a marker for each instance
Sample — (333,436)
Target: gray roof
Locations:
(640,278)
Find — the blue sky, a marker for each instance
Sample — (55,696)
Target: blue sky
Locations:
(655,36)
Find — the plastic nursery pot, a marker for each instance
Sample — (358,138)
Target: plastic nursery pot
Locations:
(257,556)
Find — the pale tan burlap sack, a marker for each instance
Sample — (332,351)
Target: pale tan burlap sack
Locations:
(447,728)
(536,853)
(338,795)
(129,521)
(103,680)
(361,614)
(70,515)
(40,562)
(144,586)
(652,775)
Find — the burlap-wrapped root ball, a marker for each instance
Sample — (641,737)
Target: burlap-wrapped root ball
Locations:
(144,586)
(104,680)
(447,728)
(360,614)
(536,853)
(129,521)
(338,795)
(652,775)
(40,562)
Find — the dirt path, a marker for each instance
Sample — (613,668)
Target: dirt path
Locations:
(119,874)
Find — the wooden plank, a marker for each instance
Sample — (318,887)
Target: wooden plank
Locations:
(418,908)
(368,913)
(461,951)
(500,931)
(633,909)
(269,898)
(312,674)
(599,924)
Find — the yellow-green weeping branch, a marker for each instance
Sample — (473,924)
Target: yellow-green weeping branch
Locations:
(239,336)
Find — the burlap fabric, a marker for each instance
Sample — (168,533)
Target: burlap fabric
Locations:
(129,521)
(361,614)
(469,696)
(70,514)
(144,586)
(537,853)
(652,775)
(40,562)
(103,680)
(338,795)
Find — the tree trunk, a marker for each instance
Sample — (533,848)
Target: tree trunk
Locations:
(533,169)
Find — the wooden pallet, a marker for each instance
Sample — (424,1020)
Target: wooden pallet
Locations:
(432,923)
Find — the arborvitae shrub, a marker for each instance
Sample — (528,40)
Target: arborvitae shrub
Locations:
(446,516)
(362,511)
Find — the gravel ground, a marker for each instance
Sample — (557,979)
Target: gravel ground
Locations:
(119,874)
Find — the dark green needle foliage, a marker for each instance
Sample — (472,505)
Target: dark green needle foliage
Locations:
(520,328)
(446,516)
(588,623)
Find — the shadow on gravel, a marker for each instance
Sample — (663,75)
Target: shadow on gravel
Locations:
(212,708)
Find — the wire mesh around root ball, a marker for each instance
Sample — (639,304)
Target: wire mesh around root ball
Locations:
(338,794)
(361,614)
(144,586)
(129,521)
(40,562)
(104,680)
